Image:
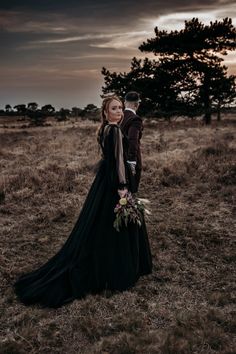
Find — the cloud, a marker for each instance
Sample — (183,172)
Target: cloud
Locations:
(72,15)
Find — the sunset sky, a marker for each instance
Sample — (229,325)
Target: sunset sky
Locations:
(53,51)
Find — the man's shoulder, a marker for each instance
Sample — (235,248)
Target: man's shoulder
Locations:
(135,120)
(132,120)
(131,117)
(129,113)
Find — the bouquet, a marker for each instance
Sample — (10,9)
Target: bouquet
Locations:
(130,209)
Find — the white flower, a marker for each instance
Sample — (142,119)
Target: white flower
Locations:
(144,200)
(147,212)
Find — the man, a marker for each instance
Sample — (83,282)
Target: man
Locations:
(132,127)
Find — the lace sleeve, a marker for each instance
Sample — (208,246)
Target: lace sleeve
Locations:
(118,150)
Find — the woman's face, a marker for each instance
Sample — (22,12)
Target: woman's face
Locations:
(115,111)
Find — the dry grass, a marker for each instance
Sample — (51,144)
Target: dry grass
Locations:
(187,305)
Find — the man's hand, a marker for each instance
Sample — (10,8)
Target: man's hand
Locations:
(122,192)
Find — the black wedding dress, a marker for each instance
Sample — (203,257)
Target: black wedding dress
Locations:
(95,256)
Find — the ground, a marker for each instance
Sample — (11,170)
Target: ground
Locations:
(187,305)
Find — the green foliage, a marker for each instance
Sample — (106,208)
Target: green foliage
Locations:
(21,108)
(63,114)
(91,112)
(76,111)
(48,108)
(32,106)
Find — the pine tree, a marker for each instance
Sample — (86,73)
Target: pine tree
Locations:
(193,51)
(182,79)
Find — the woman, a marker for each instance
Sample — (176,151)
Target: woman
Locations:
(95,256)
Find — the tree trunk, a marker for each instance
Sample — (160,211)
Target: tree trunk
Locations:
(207,103)
(207,117)
(218,112)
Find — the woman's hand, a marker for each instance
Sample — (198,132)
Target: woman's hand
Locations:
(122,192)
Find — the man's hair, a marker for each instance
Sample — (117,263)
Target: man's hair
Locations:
(132,96)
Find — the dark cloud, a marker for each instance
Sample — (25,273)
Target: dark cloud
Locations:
(108,11)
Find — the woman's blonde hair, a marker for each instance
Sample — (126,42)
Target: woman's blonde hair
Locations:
(105,105)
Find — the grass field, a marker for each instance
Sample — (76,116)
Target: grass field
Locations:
(188,304)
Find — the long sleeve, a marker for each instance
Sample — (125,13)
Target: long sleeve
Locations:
(133,136)
(119,157)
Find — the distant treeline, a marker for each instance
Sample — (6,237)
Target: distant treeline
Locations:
(38,115)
